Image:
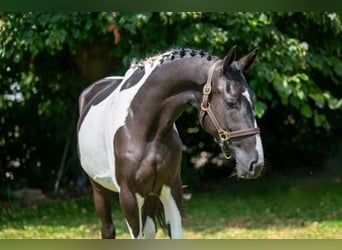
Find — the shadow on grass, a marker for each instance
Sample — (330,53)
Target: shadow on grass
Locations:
(230,204)
(75,217)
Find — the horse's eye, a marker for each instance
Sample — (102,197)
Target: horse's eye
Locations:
(231,103)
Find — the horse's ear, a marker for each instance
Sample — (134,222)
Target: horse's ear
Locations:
(245,62)
(229,58)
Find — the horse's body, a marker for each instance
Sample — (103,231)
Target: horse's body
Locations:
(128,142)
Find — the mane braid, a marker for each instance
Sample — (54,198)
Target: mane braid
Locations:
(170,56)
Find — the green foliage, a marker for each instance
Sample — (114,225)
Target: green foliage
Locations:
(46,59)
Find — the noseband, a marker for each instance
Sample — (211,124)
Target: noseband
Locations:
(223,134)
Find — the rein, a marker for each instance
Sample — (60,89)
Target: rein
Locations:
(223,134)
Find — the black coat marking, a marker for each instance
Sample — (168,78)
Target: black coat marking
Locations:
(94,94)
(134,79)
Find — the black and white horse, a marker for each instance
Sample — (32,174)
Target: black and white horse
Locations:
(128,142)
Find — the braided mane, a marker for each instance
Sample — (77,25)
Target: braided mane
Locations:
(170,56)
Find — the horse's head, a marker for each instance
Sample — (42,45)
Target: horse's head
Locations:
(226,112)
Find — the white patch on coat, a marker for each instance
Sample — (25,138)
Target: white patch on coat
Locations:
(114,77)
(149,228)
(97,131)
(172,213)
(258,145)
(248,97)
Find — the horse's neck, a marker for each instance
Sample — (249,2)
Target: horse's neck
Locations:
(164,97)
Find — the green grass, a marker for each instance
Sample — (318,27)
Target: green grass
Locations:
(265,208)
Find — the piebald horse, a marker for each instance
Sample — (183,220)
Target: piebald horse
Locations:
(128,142)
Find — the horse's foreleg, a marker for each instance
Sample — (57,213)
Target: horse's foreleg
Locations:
(102,200)
(131,205)
(172,208)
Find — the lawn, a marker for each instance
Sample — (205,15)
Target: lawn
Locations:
(264,208)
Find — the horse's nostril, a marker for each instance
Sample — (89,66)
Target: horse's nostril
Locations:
(251,166)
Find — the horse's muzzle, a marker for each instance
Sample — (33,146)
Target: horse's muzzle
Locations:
(255,170)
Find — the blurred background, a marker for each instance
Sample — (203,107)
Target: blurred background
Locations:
(47,59)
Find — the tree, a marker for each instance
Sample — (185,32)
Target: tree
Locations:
(46,59)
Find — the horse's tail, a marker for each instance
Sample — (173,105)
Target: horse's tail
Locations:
(162,220)
(154,209)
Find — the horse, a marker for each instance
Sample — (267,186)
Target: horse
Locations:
(128,142)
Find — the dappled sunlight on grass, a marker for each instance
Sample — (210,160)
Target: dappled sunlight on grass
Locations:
(315,230)
(258,209)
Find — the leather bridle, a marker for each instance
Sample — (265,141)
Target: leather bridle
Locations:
(205,108)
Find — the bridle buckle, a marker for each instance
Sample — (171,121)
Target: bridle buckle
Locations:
(205,109)
(206,89)
(224,135)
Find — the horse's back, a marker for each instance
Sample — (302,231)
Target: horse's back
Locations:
(97,91)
